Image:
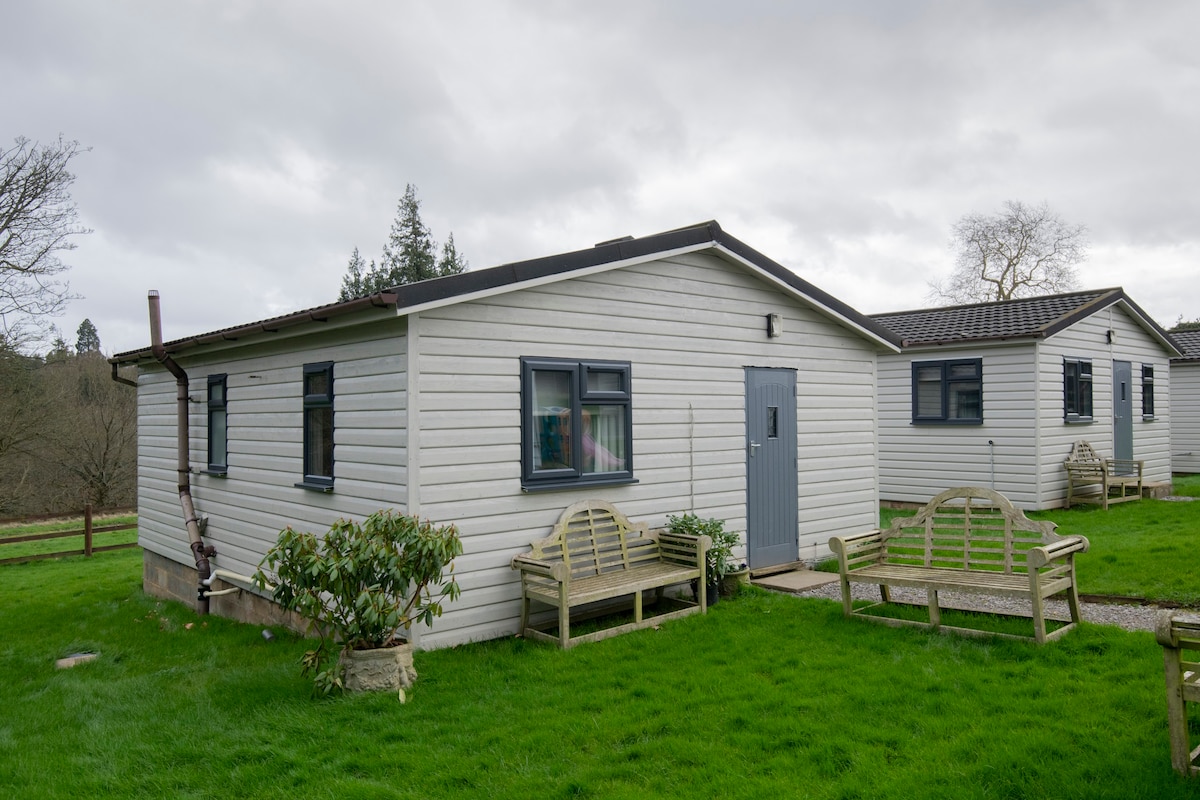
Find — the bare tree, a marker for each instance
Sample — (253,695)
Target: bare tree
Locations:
(88,451)
(37,220)
(1023,251)
(23,417)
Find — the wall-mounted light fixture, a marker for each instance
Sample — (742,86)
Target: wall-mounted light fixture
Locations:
(1111,336)
(774,326)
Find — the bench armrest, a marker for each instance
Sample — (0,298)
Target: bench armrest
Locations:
(1043,555)
(851,548)
(684,548)
(555,570)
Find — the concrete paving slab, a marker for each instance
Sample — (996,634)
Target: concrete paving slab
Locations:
(799,580)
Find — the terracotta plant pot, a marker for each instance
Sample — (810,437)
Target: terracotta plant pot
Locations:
(382,669)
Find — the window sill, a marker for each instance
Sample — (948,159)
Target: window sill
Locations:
(558,486)
(312,486)
(1078,421)
(215,473)
(1148,418)
(939,422)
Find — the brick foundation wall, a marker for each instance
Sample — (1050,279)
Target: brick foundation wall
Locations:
(170,580)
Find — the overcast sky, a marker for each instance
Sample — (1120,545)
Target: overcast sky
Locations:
(241,150)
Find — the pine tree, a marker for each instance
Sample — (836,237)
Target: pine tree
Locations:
(87,338)
(451,263)
(408,255)
(354,282)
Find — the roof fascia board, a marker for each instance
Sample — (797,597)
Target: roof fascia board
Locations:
(1151,327)
(808,298)
(263,334)
(970,344)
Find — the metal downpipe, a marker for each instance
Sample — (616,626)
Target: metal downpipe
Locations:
(195,542)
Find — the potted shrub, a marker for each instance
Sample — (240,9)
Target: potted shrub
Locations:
(361,587)
(720,561)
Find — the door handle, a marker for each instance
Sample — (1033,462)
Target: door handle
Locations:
(754,448)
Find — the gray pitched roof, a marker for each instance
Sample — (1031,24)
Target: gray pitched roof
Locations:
(454,288)
(1189,344)
(1025,318)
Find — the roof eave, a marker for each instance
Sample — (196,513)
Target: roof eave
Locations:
(274,325)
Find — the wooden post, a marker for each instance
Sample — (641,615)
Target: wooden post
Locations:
(87,530)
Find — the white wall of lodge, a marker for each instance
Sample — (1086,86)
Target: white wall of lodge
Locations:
(1019,448)
(427,420)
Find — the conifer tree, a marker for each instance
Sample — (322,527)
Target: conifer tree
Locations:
(409,255)
(87,338)
(451,262)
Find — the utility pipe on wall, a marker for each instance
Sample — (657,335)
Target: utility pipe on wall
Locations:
(195,542)
(232,578)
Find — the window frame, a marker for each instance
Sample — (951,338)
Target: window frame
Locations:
(1147,391)
(578,372)
(1076,400)
(946,382)
(312,403)
(218,408)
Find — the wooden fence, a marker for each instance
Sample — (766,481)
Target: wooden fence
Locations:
(88,532)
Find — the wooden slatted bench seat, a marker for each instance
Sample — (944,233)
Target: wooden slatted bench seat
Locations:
(595,553)
(968,540)
(1091,478)
(1179,634)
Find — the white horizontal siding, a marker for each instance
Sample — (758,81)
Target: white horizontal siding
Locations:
(689,328)
(918,461)
(1022,415)
(1088,339)
(1185,416)
(247,508)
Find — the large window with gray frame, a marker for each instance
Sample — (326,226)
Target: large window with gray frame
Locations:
(576,422)
(948,392)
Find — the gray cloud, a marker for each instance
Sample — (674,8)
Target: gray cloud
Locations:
(240,150)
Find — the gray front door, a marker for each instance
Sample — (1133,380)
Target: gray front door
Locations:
(1122,410)
(771,494)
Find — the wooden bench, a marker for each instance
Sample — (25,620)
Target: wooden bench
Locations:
(969,540)
(1091,478)
(595,553)
(1179,634)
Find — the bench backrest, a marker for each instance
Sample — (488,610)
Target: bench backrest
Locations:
(593,537)
(968,528)
(1085,459)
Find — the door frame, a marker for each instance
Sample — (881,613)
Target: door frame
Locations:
(772,471)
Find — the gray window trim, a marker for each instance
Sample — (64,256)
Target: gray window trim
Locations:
(533,479)
(1078,390)
(313,402)
(944,366)
(218,408)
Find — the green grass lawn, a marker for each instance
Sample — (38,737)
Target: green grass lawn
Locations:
(1148,549)
(767,696)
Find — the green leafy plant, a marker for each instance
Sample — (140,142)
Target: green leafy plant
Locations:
(720,560)
(361,584)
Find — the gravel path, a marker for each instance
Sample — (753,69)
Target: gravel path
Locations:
(1129,617)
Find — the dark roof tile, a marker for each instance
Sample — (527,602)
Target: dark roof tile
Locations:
(1025,318)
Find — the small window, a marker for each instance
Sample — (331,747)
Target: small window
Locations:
(948,391)
(1147,390)
(576,422)
(1077,390)
(318,425)
(218,429)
